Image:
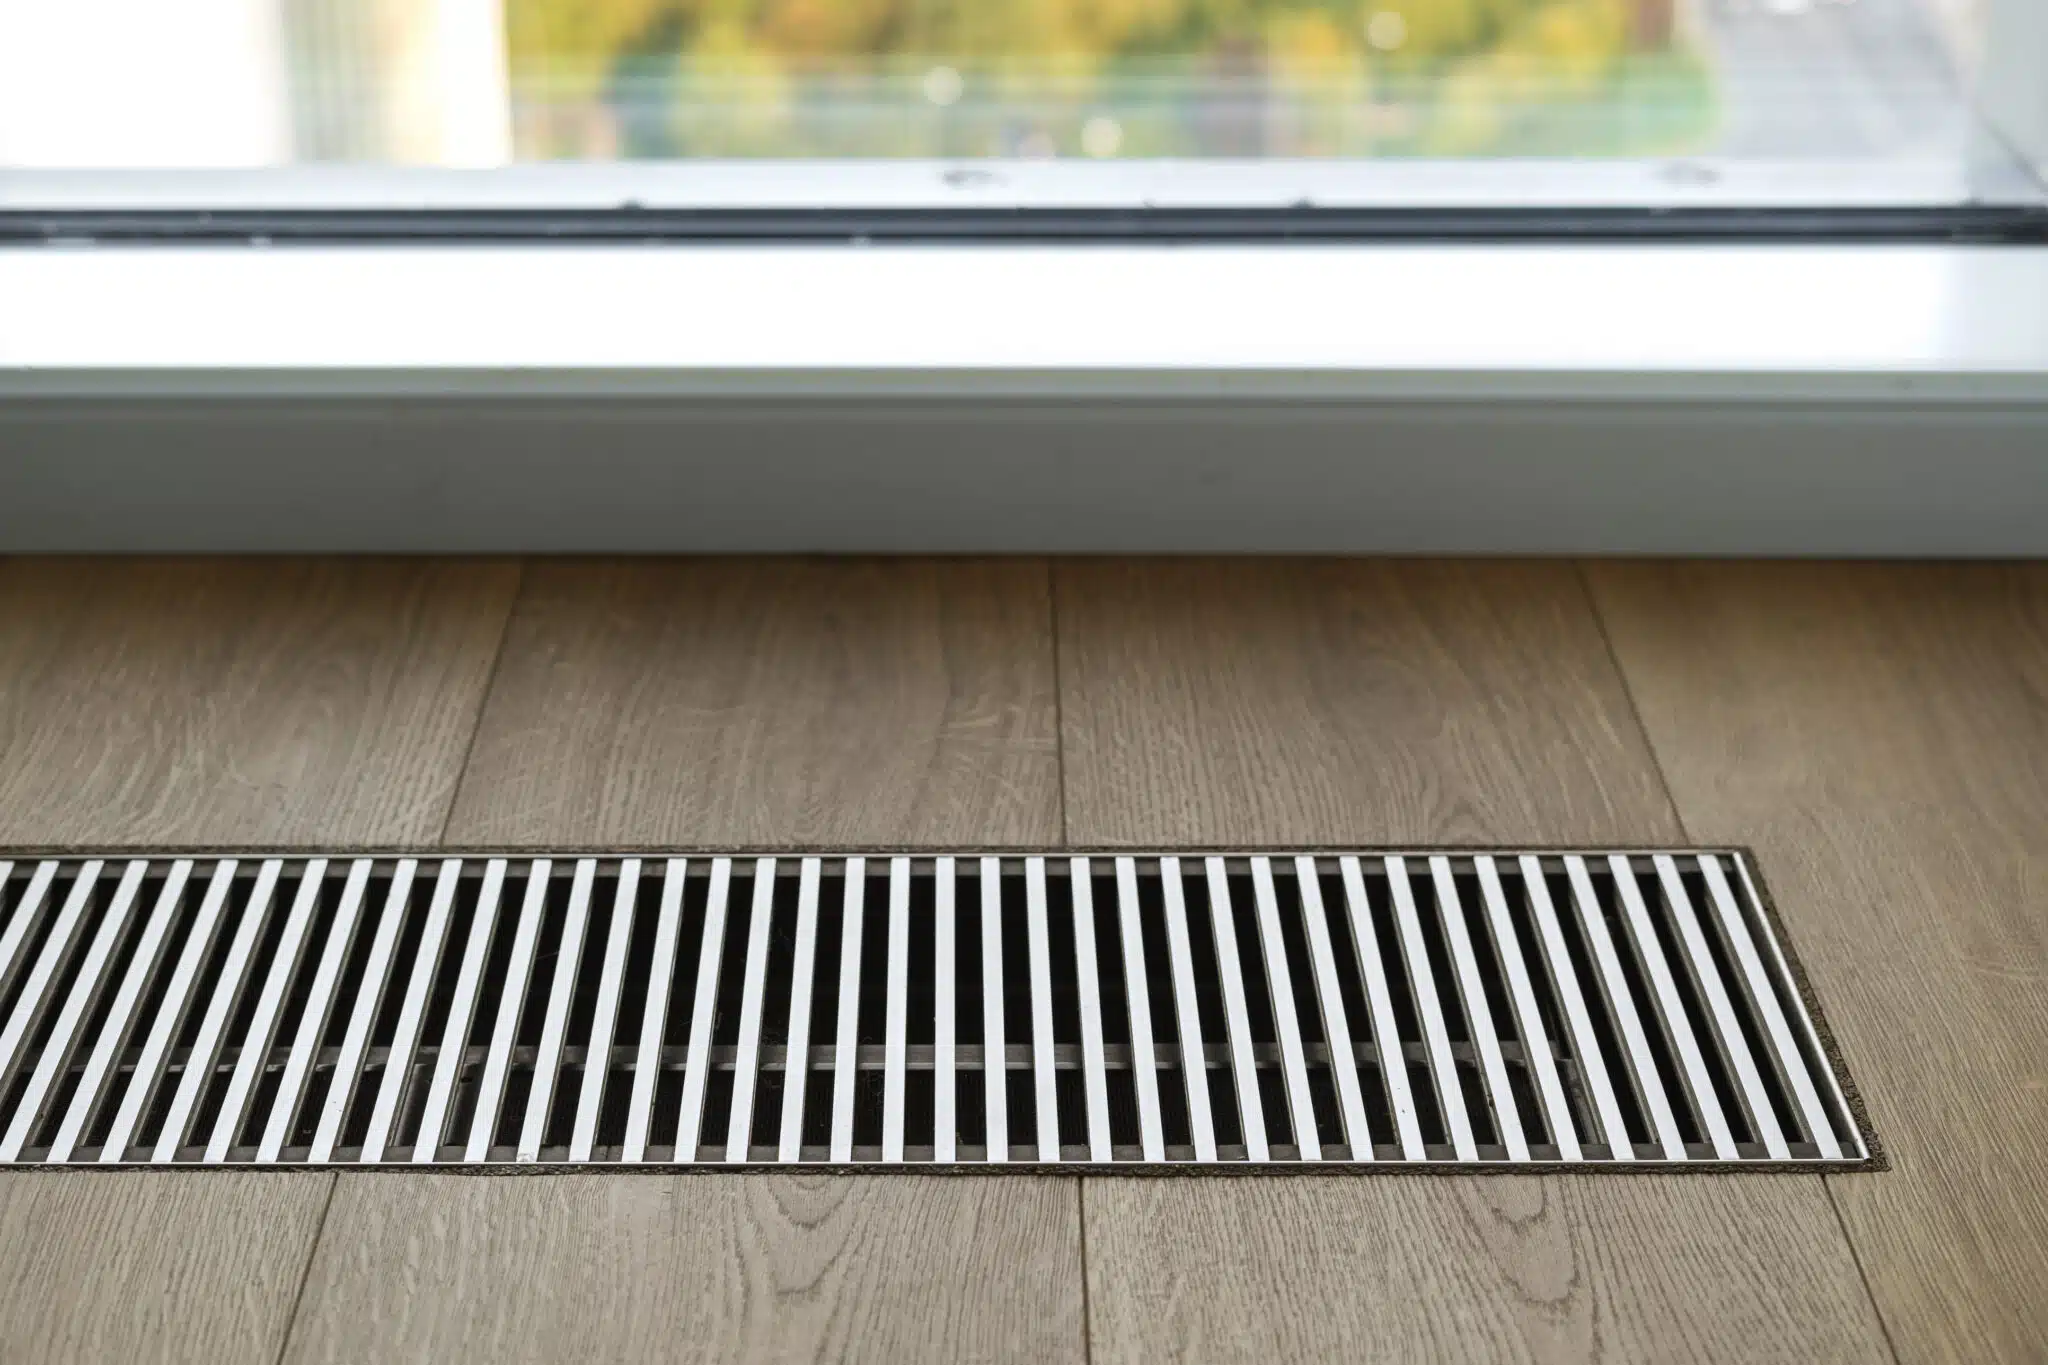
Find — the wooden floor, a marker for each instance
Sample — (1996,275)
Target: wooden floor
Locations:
(1878,733)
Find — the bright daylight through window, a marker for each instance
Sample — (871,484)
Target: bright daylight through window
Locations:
(1272,103)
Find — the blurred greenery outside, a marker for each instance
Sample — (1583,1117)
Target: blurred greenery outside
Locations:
(1125,78)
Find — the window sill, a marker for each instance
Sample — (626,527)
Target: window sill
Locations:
(1281,321)
(1780,399)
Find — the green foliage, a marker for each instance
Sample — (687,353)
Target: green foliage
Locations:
(595,33)
(829,77)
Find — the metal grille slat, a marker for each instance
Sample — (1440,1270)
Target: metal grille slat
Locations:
(341,1085)
(896,1015)
(1280,985)
(1187,1017)
(24,919)
(797,1070)
(483,1126)
(1649,1086)
(1138,1002)
(298,1065)
(1094,1073)
(1853,1140)
(114,1029)
(1039,950)
(849,1010)
(426,963)
(262,1028)
(57,950)
(554,1025)
(1236,1016)
(170,1012)
(1336,1026)
(1700,967)
(461,1017)
(654,1014)
(1592,1069)
(1507,949)
(995,1079)
(1422,983)
(1478,1014)
(1263,1010)
(199,1060)
(1791,1067)
(696,1067)
(739,1130)
(602,1024)
(1693,1069)
(1386,1036)
(58,1049)
(945,960)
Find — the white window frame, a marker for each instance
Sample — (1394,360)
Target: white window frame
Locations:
(1676,398)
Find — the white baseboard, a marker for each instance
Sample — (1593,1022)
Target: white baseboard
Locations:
(905,476)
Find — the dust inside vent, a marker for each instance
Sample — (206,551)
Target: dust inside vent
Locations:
(1279,1011)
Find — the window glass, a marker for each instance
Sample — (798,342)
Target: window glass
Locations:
(1879,84)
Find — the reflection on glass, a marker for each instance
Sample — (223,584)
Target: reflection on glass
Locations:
(482,82)
(1101,78)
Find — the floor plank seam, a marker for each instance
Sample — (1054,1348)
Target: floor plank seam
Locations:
(483,702)
(1685,832)
(1628,692)
(1087,1313)
(1059,695)
(1856,1259)
(291,1320)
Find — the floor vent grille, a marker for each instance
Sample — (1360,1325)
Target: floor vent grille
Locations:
(1608,1010)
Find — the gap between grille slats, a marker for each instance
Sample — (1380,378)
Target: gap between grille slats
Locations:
(1275,1011)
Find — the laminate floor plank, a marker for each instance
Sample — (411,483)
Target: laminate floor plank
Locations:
(153,1266)
(744,703)
(736,703)
(1343,701)
(224,704)
(1497,1268)
(695,1268)
(1879,734)
(240,703)
(1373,703)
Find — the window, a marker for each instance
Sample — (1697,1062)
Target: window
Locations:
(1300,116)
(1696,276)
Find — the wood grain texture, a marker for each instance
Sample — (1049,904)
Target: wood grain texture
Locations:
(1343,701)
(259,703)
(780,702)
(1499,1269)
(1377,703)
(737,703)
(153,1266)
(695,1268)
(1880,735)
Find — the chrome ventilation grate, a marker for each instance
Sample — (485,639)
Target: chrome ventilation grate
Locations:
(1427,1010)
